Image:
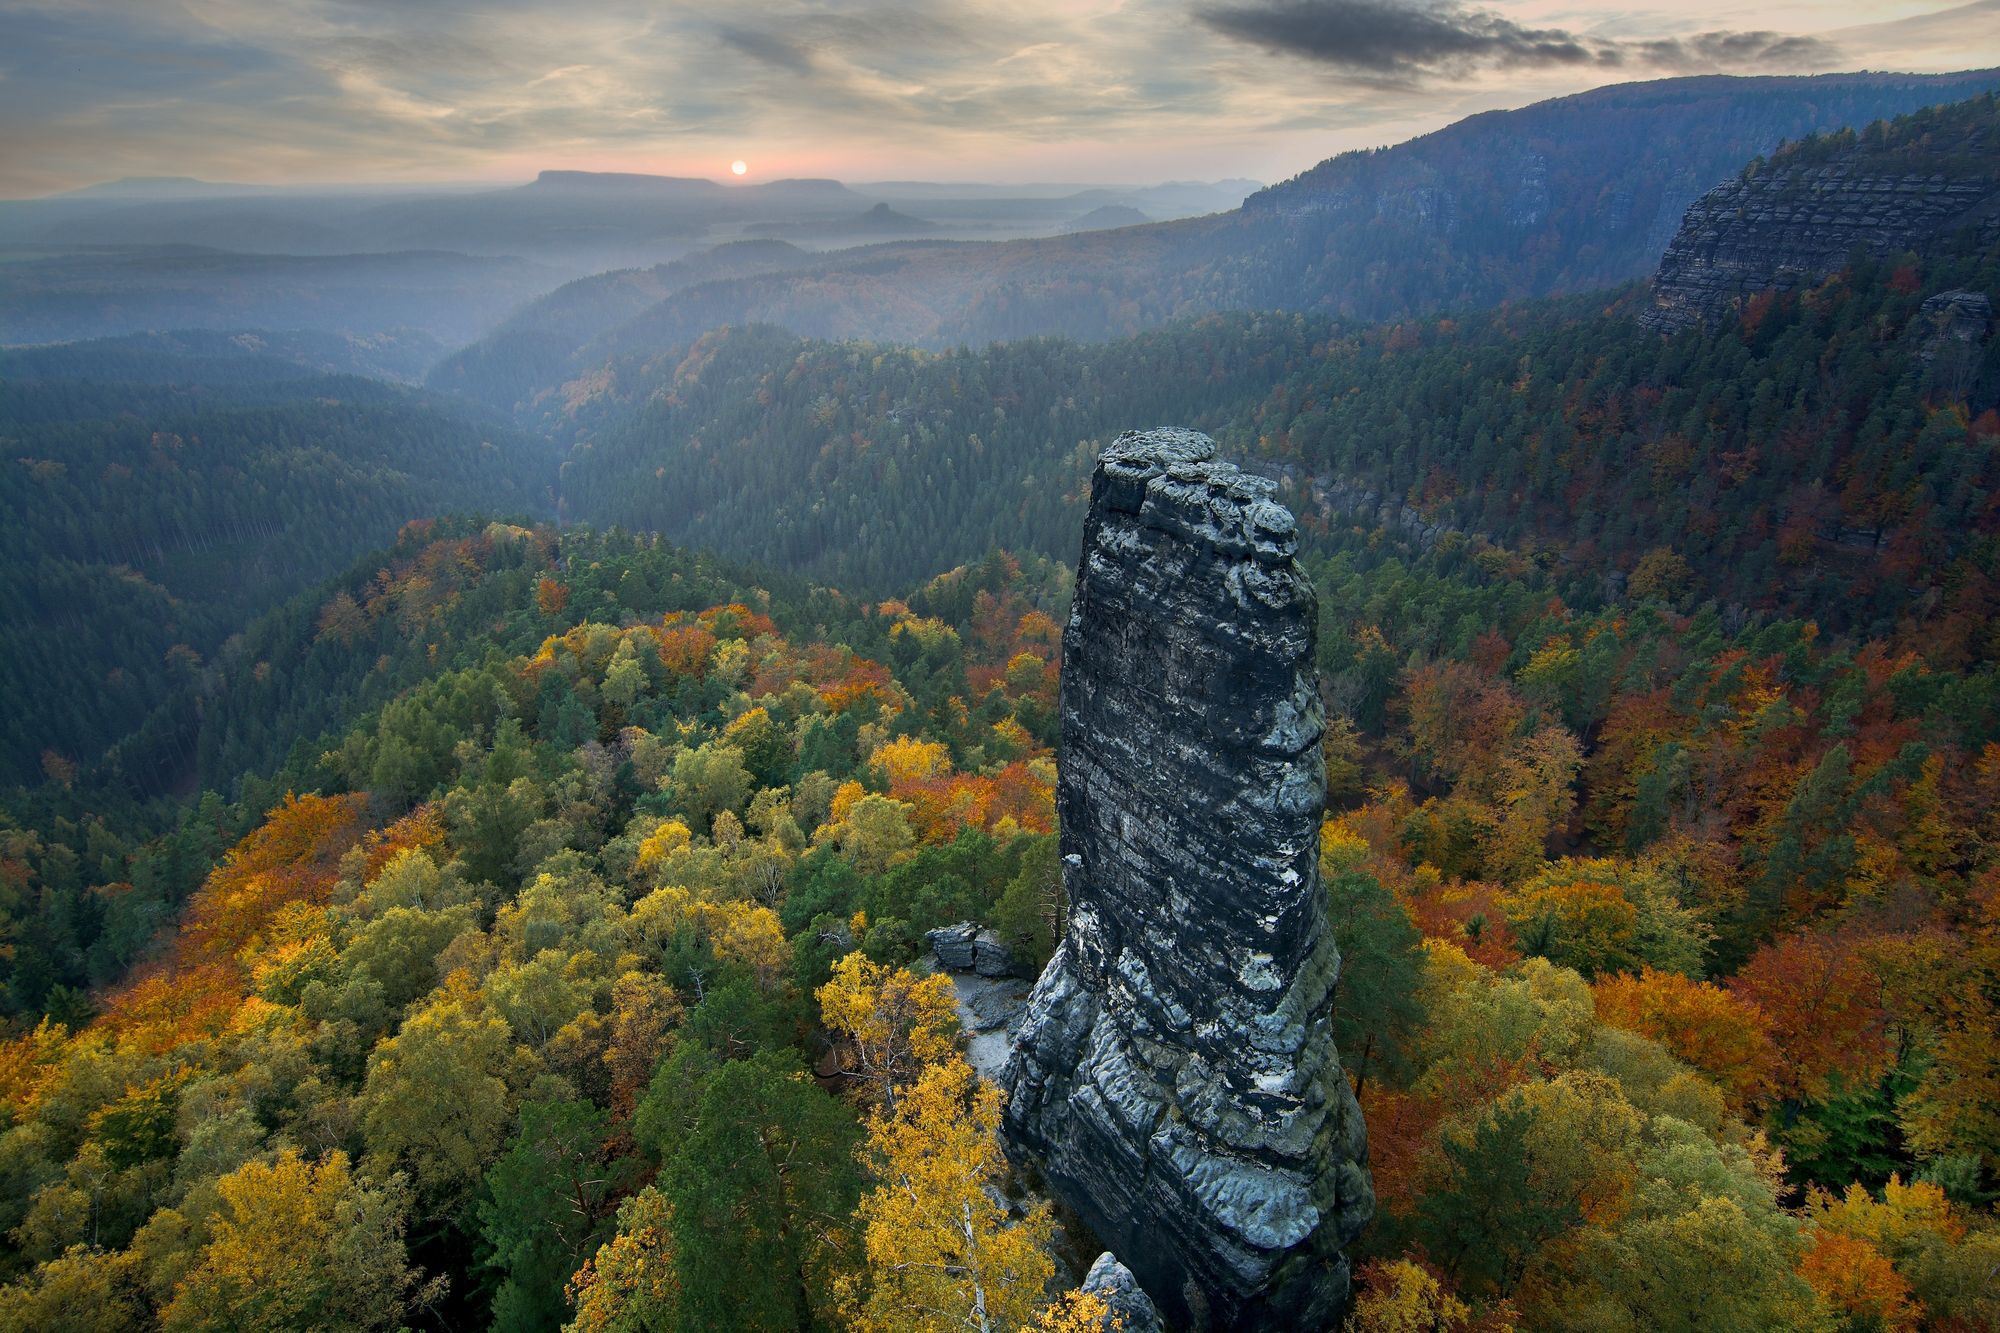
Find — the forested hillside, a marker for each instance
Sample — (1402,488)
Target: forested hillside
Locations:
(1817,457)
(858,801)
(146,522)
(872,467)
(1824,455)
(532,348)
(1709,908)
(1564,196)
(1557,197)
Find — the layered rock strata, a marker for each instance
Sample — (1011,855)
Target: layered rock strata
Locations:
(1175,1078)
(1800,218)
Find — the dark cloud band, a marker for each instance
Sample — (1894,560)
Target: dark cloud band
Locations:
(1385,38)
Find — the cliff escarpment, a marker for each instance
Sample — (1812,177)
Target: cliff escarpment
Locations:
(1923,182)
(1175,1078)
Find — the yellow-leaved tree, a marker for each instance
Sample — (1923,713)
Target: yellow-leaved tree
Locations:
(1079,1312)
(631,1282)
(298,1245)
(943,1253)
(895,1023)
(1399,1296)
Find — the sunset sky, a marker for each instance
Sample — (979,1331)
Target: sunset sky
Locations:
(317,91)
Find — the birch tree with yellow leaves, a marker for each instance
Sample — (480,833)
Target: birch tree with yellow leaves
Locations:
(895,1023)
(943,1253)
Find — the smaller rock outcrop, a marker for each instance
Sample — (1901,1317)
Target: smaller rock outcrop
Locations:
(1131,1309)
(1952,322)
(967,947)
(952,945)
(1919,183)
(987,987)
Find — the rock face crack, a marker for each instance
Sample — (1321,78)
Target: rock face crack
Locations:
(1174,1078)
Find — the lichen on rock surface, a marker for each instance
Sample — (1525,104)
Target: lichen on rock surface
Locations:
(1175,1079)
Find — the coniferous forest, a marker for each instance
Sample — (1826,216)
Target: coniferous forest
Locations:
(470,846)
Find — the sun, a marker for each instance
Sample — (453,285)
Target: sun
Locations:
(738,167)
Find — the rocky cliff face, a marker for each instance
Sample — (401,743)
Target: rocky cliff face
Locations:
(1175,1077)
(1917,184)
(1952,323)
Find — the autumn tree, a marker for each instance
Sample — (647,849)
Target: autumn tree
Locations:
(1600,916)
(710,779)
(1823,1003)
(1944,1257)
(1519,1174)
(631,1285)
(82,1290)
(438,1095)
(1402,1296)
(870,830)
(1713,1029)
(1857,1283)
(894,1023)
(298,1245)
(942,1252)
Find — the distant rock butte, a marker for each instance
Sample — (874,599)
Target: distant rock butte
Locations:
(1804,215)
(1175,1079)
(1108,217)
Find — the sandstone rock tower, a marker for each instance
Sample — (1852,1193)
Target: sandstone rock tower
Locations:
(1175,1078)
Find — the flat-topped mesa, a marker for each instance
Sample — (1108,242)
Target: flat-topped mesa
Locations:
(1175,1078)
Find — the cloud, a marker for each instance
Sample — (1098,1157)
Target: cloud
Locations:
(1383,37)
(1021,89)
(1407,39)
(1736,51)
(768,47)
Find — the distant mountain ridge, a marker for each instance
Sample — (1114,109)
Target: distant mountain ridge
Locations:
(580,222)
(879,222)
(1108,216)
(159,187)
(1568,195)
(1581,191)
(622,180)
(118,290)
